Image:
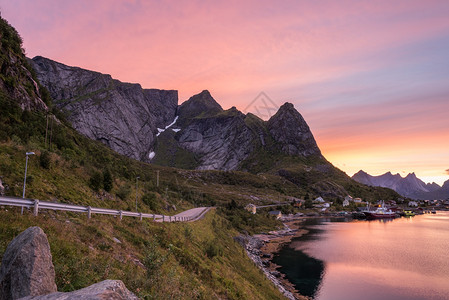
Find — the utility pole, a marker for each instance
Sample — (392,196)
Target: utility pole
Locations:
(137,180)
(51,133)
(46,132)
(25,177)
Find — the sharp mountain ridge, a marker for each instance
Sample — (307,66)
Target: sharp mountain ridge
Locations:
(408,186)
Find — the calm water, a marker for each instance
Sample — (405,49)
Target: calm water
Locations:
(406,258)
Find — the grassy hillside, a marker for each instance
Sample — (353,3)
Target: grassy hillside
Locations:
(156,261)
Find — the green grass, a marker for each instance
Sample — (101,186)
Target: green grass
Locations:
(156,261)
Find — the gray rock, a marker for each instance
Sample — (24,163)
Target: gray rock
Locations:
(291,131)
(121,115)
(27,268)
(108,289)
(126,118)
(220,139)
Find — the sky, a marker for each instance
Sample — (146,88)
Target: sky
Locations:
(371,78)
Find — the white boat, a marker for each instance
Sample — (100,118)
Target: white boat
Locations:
(380,213)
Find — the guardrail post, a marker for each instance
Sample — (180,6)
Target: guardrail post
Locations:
(163,218)
(121,215)
(154,217)
(89,212)
(170,218)
(140,216)
(36,207)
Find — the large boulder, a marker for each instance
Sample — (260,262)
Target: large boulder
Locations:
(27,268)
(108,289)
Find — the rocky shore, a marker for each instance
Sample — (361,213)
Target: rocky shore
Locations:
(261,248)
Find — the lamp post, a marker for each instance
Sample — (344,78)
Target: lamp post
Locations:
(25,178)
(137,180)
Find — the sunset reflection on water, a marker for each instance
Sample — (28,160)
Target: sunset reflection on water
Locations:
(402,259)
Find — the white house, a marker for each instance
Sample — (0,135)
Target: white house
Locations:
(327,205)
(413,204)
(319,199)
(349,198)
(358,200)
(345,202)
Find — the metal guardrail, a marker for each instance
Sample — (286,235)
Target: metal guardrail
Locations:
(36,205)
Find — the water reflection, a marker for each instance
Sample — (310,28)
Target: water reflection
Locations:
(379,259)
(303,270)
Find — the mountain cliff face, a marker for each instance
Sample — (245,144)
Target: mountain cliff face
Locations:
(198,134)
(409,186)
(17,82)
(289,129)
(220,139)
(121,115)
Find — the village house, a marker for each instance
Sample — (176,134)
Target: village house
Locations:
(298,203)
(349,198)
(413,204)
(275,213)
(319,200)
(251,208)
(345,202)
(358,200)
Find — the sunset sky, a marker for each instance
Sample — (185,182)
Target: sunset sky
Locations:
(371,78)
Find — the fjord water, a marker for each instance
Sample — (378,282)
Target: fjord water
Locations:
(406,258)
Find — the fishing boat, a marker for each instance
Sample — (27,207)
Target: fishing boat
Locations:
(380,213)
(408,213)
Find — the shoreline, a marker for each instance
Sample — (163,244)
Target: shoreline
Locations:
(261,247)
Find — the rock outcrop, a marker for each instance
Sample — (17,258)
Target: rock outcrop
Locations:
(121,115)
(17,83)
(27,272)
(219,138)
(27,268)
(291,131)
(107,289)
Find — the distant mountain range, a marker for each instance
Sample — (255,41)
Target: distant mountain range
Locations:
(408,186)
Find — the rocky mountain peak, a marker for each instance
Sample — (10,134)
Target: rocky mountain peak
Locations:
(291,131)
(361,172)
(202,104)
(121,115)
(445,185)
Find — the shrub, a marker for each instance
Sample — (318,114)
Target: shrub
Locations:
(45,160)
(96,181)
(124,191)
(149,199)
(107,180)
(154,259)
(212,249)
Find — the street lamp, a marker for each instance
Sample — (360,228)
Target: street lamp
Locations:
(137,179)
(25,178)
